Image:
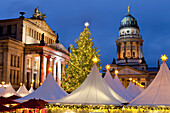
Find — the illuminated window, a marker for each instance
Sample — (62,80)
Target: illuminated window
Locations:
(35,65)
(128,54)
(132,31)
(28,63)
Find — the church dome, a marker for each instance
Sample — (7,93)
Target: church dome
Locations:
(128,21)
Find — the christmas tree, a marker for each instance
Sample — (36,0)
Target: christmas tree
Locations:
(80,63)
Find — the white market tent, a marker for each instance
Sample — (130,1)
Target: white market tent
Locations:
(2,88)
(94,90)
(48,91)
(132,90)
(31,89)
(22,91)
(9,91)
(158,92)
(139,88)
(117,86)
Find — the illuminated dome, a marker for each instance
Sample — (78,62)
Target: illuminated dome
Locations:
(128,21)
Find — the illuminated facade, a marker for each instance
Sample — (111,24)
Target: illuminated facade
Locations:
(130,60)
(28,48)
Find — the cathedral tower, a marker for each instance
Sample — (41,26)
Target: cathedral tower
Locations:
(130,61)
(129,43)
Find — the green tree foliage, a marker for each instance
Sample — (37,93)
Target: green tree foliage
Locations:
(80,63)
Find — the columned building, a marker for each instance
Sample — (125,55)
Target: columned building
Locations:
(28,48)
(130,60)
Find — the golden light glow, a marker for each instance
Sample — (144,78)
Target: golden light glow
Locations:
(50,69)
(33,80)
(164,57)
(86,24)
(130,79)
(107,66)
(116,72)
(40,84)
(128,8)
(20,84)
(95,59)
(133,80)
(3,82)
(31,85)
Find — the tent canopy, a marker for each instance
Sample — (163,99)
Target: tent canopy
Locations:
(157,93)
(9,91)
(48,91)
(117,86)
(94,90)
(31,89)
(2,88)
(22,91)
(132,89)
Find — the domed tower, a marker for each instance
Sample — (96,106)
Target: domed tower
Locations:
(129,43)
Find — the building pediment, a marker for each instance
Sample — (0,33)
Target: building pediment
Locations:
(130,71)
(42,24)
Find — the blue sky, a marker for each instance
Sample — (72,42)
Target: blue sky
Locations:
(67,17)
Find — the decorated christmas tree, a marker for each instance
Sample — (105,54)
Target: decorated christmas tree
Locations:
(80,63)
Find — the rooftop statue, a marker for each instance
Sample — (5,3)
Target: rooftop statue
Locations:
(38,15)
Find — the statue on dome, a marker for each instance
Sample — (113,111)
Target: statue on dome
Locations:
(38,15)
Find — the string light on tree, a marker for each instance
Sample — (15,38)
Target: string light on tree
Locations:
(80,63)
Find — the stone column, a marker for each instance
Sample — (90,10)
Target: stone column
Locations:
(32,69)
(12,76)
(25,69)
(6,67)
(125,49)
(118,51)
(131,49)
(141,50)
(59,73)
(21,63)
(48,65)
(41,68)
(54,68)
(137,47)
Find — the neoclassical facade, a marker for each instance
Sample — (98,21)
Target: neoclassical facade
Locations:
(28,48)
(130,60)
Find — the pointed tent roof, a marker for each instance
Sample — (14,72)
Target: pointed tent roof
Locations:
(48,91)
(132,90)
(94,90)
(31,89)
(139,89)
(117,86)
(22,91)
(157,93)
(9,91)
(2,88)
